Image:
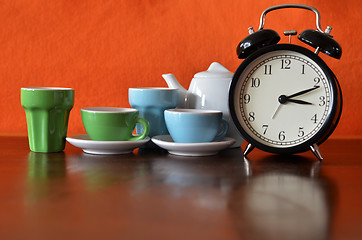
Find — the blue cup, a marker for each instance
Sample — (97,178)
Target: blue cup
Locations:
(151,103)
(195,125)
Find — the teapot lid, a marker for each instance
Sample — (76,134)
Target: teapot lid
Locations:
(216,70)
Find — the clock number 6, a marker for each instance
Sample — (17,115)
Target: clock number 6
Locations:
(282,136)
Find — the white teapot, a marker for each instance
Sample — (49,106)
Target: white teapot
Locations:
(208,90)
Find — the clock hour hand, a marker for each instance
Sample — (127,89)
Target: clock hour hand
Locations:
(299,101)
(302,92)
(284,99)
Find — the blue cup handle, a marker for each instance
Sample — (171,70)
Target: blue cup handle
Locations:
(225,127)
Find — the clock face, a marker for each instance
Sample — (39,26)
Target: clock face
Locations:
(283,99)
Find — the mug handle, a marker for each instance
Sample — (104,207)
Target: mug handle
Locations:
(225,127)
(146,130)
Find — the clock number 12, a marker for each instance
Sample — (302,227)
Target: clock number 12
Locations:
(286,63)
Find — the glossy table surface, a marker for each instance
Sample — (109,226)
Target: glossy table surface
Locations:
(155,195)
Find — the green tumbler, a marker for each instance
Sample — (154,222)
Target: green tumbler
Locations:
(47,112)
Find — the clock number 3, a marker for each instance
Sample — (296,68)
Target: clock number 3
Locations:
(322,101)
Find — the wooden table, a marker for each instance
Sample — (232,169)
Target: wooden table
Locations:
(154,195)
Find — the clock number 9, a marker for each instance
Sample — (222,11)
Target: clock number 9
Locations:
(246,98)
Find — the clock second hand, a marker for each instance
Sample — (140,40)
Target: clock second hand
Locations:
(276,110)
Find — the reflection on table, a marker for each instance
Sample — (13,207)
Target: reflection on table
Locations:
(151,194)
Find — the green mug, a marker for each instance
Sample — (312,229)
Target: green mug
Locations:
(113,124)
(47,112)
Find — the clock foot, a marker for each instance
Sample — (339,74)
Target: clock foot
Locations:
(248,149)
(316,151)
(248,168)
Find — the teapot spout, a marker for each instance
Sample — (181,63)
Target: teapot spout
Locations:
(173,83)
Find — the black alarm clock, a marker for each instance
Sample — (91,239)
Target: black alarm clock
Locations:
(283,98)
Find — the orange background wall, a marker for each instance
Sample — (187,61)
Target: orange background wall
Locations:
(101,48)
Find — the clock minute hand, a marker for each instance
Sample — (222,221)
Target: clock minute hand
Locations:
(302,92)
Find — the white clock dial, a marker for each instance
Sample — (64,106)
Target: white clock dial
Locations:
(284,98)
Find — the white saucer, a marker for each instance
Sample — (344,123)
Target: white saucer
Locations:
(192,149)
(104,147)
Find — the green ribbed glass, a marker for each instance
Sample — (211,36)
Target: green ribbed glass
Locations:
(47,113)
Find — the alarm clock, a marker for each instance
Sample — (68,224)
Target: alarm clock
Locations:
(283,98)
